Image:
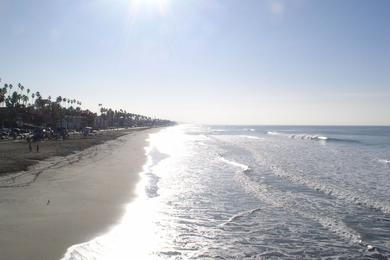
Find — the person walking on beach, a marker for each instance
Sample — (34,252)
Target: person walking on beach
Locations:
(29,144)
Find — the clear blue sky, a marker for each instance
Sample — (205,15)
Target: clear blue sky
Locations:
(206,61)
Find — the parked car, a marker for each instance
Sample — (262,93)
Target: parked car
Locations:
(3,135)
(87,130)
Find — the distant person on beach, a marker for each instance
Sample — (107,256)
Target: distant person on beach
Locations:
(37,139)
(29,144)
(38,136)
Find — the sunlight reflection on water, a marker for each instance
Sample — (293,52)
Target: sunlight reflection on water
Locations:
(136,234)
(223,193)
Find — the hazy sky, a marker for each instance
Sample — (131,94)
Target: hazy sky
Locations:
(206,61)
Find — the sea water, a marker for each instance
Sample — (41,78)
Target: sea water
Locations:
(256,192)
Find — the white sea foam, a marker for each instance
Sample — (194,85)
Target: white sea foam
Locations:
(251,137)
(274,133)
(300,136)
(355,197)
(240,215)
(289,202)
(240,165)
(263,183)
(384,161)
(308,137)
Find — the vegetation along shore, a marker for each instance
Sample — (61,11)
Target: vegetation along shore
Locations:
(33,128)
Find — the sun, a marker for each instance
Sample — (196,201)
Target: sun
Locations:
(161,5)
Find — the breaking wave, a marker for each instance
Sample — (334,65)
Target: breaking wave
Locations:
(240,165)
(240,215)
(303,136)
(299,136)
(354,197)
(252,137)
(384,161)
(289,202)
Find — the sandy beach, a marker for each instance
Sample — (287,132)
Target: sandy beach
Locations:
(63,201)
(15,155)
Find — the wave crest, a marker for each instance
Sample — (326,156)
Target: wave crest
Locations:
(239,165)
(300,136)
(289,202)
(384,161)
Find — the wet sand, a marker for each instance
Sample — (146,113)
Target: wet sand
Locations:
(64,201)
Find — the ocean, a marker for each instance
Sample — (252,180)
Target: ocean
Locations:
(264,192)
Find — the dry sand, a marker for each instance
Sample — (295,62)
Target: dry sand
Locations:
(64,201)
(15,155)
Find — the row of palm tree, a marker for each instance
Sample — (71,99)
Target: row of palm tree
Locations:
(115,118)
(21,97)
(31,107)
(36,110)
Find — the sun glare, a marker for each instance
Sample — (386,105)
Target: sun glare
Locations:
(160,5)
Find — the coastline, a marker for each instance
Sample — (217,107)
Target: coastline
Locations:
(75,198)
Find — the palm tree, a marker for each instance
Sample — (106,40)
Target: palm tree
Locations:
(3,92)
(64,101)
(25,100)
(33,96)
(38,99)
(21,87)
(5,86)
(100,106)
(28,92)
(12,100)
(50,112)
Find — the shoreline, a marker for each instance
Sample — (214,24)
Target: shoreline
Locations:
(75,198)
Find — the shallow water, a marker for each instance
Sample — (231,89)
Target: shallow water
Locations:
(266,192)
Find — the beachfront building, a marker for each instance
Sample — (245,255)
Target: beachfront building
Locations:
(70,122)
(100,122)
